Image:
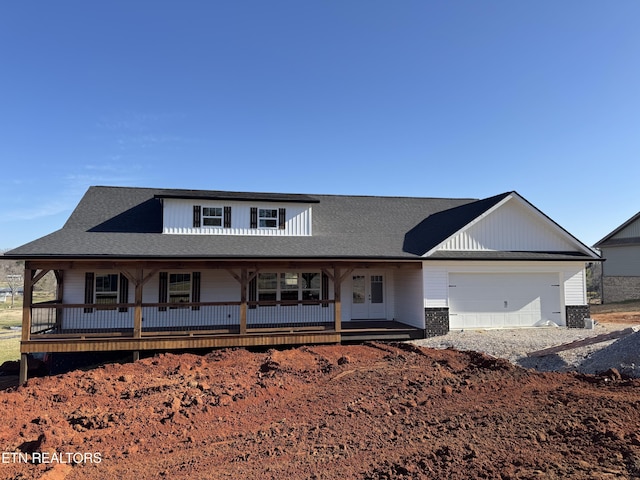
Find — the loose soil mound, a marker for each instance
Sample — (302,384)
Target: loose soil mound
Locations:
(370,411)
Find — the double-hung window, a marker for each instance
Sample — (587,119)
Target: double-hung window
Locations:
(106,289)
(268,217)
(212,216)
(179,288)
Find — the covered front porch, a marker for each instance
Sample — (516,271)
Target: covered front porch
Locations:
(163,305)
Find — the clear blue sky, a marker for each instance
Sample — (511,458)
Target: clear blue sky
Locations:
(421,98)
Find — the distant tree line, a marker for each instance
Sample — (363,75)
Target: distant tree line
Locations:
(12,277)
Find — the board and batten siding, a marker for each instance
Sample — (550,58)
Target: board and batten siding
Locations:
(178,218)
(511,227)
(408,297)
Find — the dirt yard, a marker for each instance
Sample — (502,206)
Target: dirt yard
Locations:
(373,411)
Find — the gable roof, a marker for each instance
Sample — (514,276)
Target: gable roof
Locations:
(610,241)
(122,222)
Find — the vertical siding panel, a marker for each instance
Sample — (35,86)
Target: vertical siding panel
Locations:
(178,216)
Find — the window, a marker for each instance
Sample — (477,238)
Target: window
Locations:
(106,289)
(268,217)
(289,286)
(267,287)
(212,216)
(179,288)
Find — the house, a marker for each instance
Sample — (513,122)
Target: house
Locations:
(621,271)
(153,269)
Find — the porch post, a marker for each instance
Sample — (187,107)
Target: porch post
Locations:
(26,318)
(243,301)
(337,306)
(137,310)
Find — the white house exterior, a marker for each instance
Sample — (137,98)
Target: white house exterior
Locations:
(159,269)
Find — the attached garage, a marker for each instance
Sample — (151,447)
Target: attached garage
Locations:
(499,300)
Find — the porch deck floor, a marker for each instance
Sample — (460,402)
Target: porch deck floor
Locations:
(207,337)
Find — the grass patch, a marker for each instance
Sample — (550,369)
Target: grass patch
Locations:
(9,345)
(12,317)
(626,306)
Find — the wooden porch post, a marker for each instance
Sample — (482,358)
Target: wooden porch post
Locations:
(243,301)
(337,306)
(137,310)
(26,318)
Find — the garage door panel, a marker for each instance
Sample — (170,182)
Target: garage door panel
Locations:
(503,300)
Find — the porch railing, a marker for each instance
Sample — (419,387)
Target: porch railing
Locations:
(203,318)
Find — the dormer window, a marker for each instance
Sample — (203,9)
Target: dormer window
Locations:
(212,216)
(268,217)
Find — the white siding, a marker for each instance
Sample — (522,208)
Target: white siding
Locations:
(178,218)
(511,227)
(408,297)
(436,286)
(574,286)
(570,275)
(73,287)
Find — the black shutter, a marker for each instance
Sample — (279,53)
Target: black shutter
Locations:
(124,292)
(282,217)
(324,294)
(163,290)
(227,217)
(195,290)
(88,290)
(253,291)
(254,218)
(196,216)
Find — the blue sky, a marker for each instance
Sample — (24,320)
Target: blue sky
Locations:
(457,98)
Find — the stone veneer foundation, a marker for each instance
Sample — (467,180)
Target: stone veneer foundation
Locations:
(576,315)
(436,321)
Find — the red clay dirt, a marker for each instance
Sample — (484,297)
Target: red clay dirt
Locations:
(373,411)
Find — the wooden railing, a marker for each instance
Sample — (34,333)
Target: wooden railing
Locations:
(58,320)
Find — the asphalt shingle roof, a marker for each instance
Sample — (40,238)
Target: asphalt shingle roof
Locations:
(121,222)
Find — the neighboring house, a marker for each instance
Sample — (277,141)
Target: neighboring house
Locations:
(151,269)
(621,271)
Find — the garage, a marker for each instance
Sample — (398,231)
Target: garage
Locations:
(499,300)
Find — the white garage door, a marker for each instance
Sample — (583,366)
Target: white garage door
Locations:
(488,300)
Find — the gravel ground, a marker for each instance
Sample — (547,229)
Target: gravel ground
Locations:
(622,354)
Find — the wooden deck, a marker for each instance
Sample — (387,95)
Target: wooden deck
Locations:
(353,331)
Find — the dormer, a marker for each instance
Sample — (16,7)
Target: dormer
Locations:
(195,212)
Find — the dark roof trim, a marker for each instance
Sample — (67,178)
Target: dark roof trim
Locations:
(604,242)
(236,196)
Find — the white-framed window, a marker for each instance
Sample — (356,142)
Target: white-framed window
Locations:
(289,286)
(106,289)
(268,217)
(179,288)
(212,216)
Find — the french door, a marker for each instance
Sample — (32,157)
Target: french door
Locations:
(368,297)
